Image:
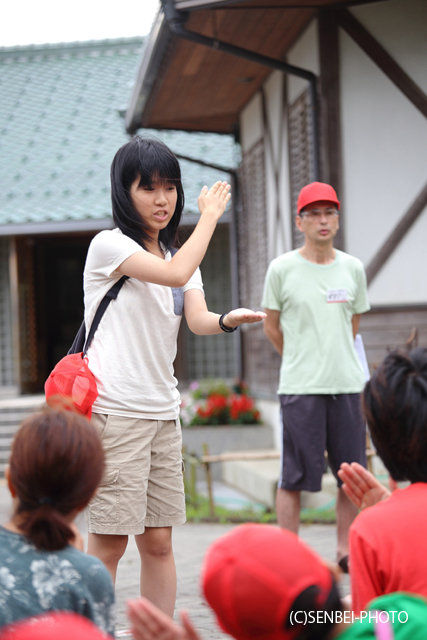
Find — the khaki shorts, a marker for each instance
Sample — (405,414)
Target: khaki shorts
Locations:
(143,482)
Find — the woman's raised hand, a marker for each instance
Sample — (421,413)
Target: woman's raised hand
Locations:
(213,201)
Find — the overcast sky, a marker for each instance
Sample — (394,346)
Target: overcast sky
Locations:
(41,21)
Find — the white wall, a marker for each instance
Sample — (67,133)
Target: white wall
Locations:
(251,126)
(275,141)
(384,140)
(277,161)
(385,148)
(304,54)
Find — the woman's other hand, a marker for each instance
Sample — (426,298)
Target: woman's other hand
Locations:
(242,316)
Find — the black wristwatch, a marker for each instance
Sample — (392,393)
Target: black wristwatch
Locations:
(223,327)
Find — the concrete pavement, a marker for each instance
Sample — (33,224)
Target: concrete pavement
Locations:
(190,544)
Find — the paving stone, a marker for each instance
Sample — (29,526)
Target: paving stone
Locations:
(190,543)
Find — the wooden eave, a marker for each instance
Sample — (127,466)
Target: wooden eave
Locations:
(188,86)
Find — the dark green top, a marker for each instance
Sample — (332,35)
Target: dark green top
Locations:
(33,582)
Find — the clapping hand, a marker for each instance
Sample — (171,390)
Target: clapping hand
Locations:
(361,486)
(149,623)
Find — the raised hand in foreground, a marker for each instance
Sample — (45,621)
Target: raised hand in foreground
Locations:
(361,486)
(149,623)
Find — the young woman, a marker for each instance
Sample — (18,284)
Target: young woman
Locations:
(132,356)
(56,464)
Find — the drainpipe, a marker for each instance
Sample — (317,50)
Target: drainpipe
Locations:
(176,20)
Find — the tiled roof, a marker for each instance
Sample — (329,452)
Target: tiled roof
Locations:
(61,121)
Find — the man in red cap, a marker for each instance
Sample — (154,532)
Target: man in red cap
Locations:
(313,298)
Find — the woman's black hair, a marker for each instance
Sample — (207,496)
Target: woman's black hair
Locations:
(146,158)
(395,406)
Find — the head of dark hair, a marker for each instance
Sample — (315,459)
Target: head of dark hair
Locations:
(147,159)
(395,406)
(56,464)
(307,605)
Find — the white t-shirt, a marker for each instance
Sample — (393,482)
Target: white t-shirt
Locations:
(134,347)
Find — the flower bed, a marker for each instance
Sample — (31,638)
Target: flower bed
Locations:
(213,403)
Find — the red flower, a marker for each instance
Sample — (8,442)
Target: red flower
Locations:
(239,405)
(216,403)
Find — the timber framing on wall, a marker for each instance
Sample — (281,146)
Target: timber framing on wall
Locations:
(416,95)
(383,60)
(281,239)
(330,111)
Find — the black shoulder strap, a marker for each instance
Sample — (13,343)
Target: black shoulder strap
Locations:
(110,295)
(79,343)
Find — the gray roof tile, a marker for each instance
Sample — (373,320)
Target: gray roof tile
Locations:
(60,126)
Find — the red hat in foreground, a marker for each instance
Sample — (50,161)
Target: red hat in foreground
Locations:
(316,192)
(54,626)
(252,576)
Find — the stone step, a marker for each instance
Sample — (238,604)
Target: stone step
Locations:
(225,438)
(12,412)
(258,480)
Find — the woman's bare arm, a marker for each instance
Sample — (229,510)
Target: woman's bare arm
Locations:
(203,322)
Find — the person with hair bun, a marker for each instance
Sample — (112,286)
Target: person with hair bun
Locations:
(387,543)
(55,467)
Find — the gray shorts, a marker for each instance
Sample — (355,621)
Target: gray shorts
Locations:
(143,482)
(313,424)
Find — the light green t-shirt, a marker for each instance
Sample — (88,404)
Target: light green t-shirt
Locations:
(406,614)
(316,304)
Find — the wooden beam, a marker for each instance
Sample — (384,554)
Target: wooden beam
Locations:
(397,235)
(383,60)
(330,108)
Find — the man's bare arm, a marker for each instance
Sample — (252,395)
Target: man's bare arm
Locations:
(355,321)
(273,330)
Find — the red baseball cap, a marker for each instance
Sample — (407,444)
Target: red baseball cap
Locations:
(252,576)
(64,625)
(315,192)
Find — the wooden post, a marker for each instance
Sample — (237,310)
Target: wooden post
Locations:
(331,107)
(209,481)
(193,493)
(184,470)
